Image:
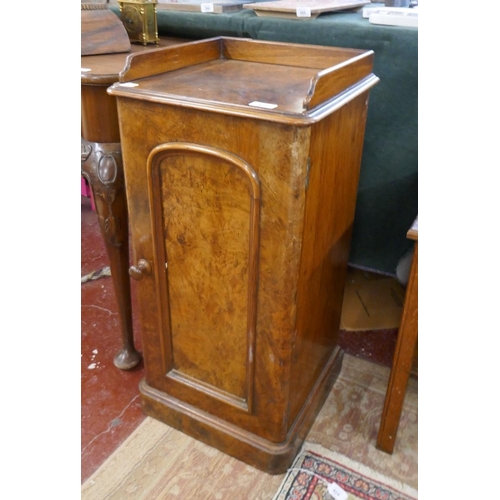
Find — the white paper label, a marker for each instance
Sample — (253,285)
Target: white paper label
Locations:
(265,105)
(85,70)
(303,12)
(337,492)
(207,7)
(129,84)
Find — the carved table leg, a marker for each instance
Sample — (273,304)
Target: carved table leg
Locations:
(102,167)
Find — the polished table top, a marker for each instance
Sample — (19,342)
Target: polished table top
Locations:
(105,68)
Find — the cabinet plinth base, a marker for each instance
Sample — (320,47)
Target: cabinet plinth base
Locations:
(265,455)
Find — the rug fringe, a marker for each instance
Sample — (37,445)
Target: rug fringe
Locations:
(95,275)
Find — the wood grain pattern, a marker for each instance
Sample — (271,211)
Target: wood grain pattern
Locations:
(207,202)
(225,82)
(337,79)
(103,33)
(238,49)
(303,56)
(159,61)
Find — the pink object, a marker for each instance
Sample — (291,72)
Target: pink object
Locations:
(87,192)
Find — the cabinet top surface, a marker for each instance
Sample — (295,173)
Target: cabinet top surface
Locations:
(227,82)
(245,76)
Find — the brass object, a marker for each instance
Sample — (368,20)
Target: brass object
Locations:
(140,20)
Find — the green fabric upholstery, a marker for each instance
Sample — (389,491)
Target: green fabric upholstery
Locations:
(387,200)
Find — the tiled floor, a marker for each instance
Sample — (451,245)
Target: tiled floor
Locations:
(110,406)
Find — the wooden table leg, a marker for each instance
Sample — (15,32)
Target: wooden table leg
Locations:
(402,363)
(102,167)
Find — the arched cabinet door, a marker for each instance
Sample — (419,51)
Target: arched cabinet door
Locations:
(205,206)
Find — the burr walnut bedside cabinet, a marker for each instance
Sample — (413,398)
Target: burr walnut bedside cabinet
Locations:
(241,162)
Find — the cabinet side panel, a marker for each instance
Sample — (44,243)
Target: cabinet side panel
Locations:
(336,149)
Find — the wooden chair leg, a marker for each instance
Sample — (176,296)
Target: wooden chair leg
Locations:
(402,363)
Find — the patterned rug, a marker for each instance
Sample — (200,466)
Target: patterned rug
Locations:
(320,474)
(157,462)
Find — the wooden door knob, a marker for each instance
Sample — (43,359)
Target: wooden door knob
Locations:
(137,272)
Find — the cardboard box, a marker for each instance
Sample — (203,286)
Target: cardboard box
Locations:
(371,302)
